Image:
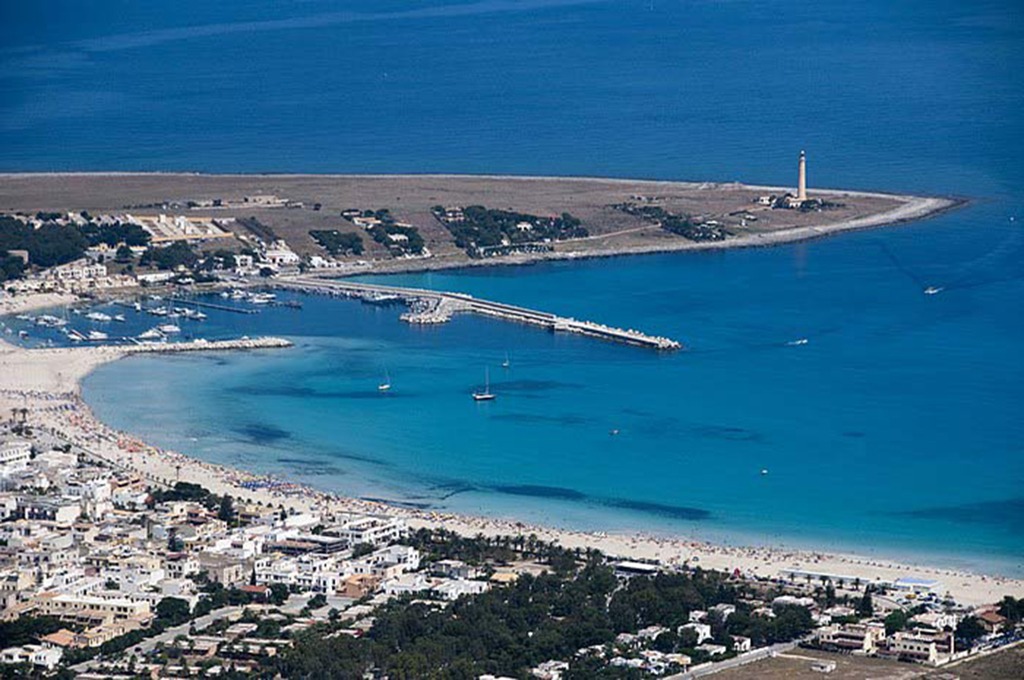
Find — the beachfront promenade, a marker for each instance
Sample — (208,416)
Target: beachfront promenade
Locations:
(433,307)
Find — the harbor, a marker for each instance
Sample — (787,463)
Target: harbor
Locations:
(435,307)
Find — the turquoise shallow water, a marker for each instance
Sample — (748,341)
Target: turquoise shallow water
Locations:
(891,430)
(895,429)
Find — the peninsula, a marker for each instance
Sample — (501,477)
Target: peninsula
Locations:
(424,222)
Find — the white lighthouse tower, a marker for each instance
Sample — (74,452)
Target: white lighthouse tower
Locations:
(801,187)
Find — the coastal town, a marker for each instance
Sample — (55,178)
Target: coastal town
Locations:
(119,559)
(112,565)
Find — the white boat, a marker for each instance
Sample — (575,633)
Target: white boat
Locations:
(933,290)
(119,317)
(158,311)
(168,328)
(151,334)
(797,343)
(262,298)
(98,316)
(193,314)
(50,321)
(95,336)
(138,306)
(507,363)
(386,385)
(486,395)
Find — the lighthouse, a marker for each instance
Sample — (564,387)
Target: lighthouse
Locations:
(801,187)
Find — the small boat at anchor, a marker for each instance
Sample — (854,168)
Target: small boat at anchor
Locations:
(486,395)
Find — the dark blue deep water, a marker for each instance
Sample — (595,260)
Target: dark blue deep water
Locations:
(896,429)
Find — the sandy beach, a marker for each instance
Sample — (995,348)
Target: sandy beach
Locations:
(47,383)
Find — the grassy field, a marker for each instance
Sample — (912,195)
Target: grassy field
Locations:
(796,665)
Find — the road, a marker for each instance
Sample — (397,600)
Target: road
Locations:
(148,644)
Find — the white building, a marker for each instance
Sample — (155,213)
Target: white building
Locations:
(35,655)
(79,270)
(375,530)
(15,454)
(703,630)
(923,645)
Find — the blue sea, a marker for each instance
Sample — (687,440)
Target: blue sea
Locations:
(895,430)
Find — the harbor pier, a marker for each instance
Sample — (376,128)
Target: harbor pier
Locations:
(435,307)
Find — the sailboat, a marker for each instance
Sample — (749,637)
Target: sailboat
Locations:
(486,395)
(506,363)
(386,385)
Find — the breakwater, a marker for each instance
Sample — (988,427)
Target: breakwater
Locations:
(206,345)
(434,307)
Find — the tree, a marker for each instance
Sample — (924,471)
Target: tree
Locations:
(361,549)
(1012,609)
(830,595)
(278,593)
(688,638)
(226,513)
(896,620)
(11,267)
(969,630)
(866,606)
(172,610)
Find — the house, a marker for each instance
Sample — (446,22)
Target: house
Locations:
(261,592)
(62,638)
(280,255)
(854,637)
(923,645)
(938,620)
(90,607)
(227,571)
(453,589)
(454,569)
(34,655)
(60,511)
(703,631)
(792,601)
(358,586)
(723,611)
(741,644)
(991,620)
